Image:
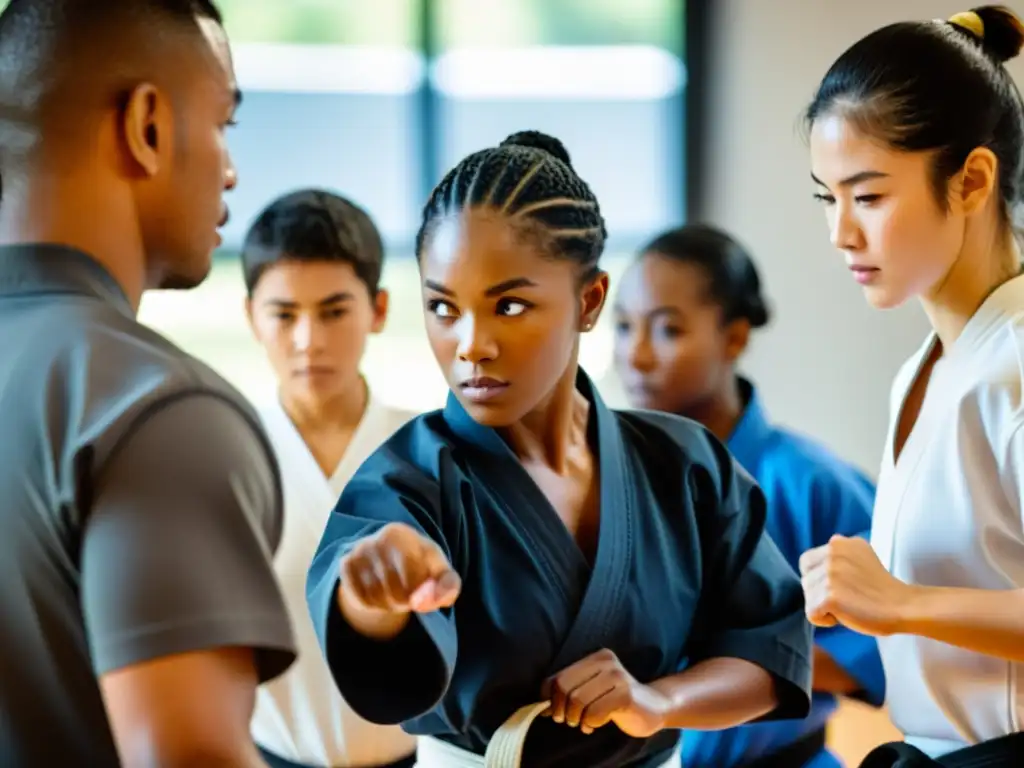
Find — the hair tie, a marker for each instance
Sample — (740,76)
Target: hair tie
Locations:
(970,21)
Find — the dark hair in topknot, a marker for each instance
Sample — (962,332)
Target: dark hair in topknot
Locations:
(1002,35)
(529,176)
(733,281)
(541,141)
(936,86)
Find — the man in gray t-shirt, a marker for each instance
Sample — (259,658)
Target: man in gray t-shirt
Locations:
(140,503)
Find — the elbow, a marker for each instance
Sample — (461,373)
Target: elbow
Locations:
(769,700)
(762,694)
(177,745)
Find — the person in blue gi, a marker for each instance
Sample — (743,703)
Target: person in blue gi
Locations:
(683,317)
(527,544)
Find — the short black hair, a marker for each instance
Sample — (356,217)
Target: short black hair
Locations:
(936,86)
(52,52)
(733,281)
(313,225)
(529,176)
(40,17)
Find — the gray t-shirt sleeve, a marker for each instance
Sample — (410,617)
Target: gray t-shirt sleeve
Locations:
(178,545)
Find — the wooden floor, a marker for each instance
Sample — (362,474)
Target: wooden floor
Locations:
(856,729)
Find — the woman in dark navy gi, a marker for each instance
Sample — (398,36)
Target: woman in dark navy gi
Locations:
(528,544)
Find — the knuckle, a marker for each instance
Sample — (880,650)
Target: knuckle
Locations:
(366,577)
(359,549)
(390,533)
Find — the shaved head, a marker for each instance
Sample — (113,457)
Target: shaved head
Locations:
(63,63)
(116,111)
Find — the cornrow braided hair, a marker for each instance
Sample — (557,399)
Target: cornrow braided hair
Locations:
(528,177)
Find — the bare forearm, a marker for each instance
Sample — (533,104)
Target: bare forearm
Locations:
(188,756)
(981,620)
(717,694)
(829,677)
(252,760)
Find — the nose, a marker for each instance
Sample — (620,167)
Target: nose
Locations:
(230,176)
(476,342)
(306,336)
(846,234)
(638,352)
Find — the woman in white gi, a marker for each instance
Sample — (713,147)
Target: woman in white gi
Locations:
(917,151)
(312,265)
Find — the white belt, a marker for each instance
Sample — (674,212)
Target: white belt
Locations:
(505,749)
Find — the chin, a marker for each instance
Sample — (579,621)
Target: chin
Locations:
(880,298)
(183,277)
(489,414)
(646,402)
(497,413)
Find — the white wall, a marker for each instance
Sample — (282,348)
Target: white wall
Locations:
(825,364)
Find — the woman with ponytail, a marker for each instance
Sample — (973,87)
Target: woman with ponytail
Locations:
(917,154)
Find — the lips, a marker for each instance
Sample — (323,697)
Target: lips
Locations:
(482,388)
(864,274)
(224,217)
(314,370)
(641,392)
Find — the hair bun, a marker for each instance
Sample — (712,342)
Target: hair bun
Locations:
(541,141)
(756,311)
(999,30)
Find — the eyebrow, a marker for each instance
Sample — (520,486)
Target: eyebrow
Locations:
(495,290)
(334,298)
(857,178)
(656,312)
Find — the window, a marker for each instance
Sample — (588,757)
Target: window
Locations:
(377,100)
(606,77)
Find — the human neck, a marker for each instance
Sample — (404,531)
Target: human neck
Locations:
(983,265)
(556,429)
(342,411)
(38,209)
(721,412)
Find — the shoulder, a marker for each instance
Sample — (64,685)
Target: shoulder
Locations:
(393,418)
(148,362)
(419,447)
(999,379)
(991,393)
(110,374)
(809,485)
(801,457)
(666,438)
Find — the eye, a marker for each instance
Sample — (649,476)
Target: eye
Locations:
(671,332)
(284,317)
(441,309)
(512,307)
(867,199)
(824,197)
(334,314)
(622,326)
